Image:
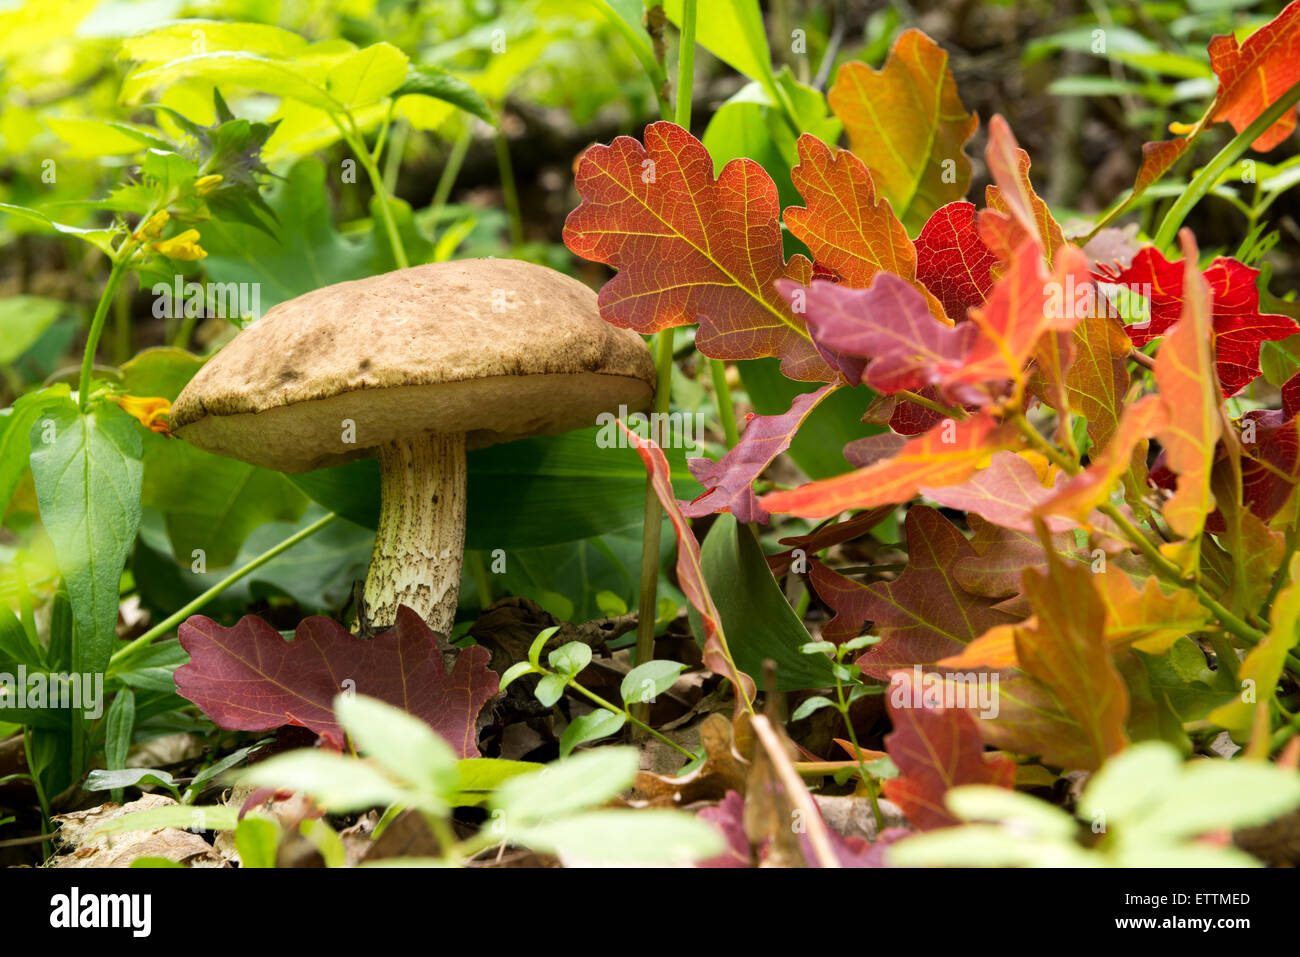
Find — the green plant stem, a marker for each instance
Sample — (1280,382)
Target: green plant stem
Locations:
(171,621)
(686,66)
(651,524)
(41,797)
(917,399)
(654,70)
(867,783)
(451,170)
(726,409)
(121,262)
(643,725)
(1205,180)
(508,190)
(477,570)
(358,147)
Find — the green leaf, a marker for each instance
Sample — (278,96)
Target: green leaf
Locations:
(624,838)
(15,427)
(811,705)
(402,743)
(15,646)
(479,777)
(217,768)
(755,614)
(100,780)
(101,239)
(119,729)
(338,783)
(611,604)
(535,649)
(256,839)
(326,841)
(88,475)
(183,37)
(570,659)
(517,670)
(646,682)
(732,30)
(550,689)
(299,79)
(441,84)
(526,494)
(368,75)
(22,321)
(217,817)
(585,780)
(589,727)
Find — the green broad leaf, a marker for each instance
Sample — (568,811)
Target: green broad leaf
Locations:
(810,706)
(336,782)
(256,839)
(817,447)
(526,494)
(88,473)
(570,659)
(23,319)
(611,604)
(1245,794)
(624,838)
(211,503)
(1280,360)
(370,74)
(89,138)
(402,743)
(434,81)
(732,30)
(1181,677)
(1028,815)
(183,37)
(16,648)
(589,727)
(759,622)
(101,239)
(218,817)
(151,861)
(582,781)
(550,689)
(1132,782)
(648,681)
(162,371)
(15,427)
(985,845)
(479,777)
(818,648)
(299,79)
(100,780)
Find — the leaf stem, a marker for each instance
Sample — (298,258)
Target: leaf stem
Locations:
(1207,177)
(121,262)
(686,66)
(643,725)
(171,621)
(358,147)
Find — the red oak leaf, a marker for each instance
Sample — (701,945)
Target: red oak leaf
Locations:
(248,678)
(943,456)
(691,248)
(1276,449)
(730,480)
(1252,75)
(1157,157)
(1238,325)
(889,323)
(845,227)
(848,599)
(924,615)
(935,749)
(952,261)
(690,574)
(907,418)
(834,533)
(908,124)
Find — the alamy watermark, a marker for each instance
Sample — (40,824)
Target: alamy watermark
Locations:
(58,690)
(240,302)
(669,430)
(976,691)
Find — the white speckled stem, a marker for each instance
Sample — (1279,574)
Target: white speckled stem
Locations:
(421,539)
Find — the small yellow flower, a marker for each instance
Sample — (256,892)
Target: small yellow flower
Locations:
(151,411)
(206,184)
(153,228)
(183,246)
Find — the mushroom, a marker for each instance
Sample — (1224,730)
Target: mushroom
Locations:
(414,367)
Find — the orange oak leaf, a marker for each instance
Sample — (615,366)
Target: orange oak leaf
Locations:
(845,227)
(945,455)
(1157,157)
(689,247)
(690,573)
(1097,378)
(1252,75)
(1067,651)
(908,125)
(935,748)
(1014,213)
(1187,381)
(952,261)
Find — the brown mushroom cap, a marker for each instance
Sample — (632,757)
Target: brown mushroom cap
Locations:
(496,348)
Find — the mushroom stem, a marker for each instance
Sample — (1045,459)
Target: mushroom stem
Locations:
(421,539)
